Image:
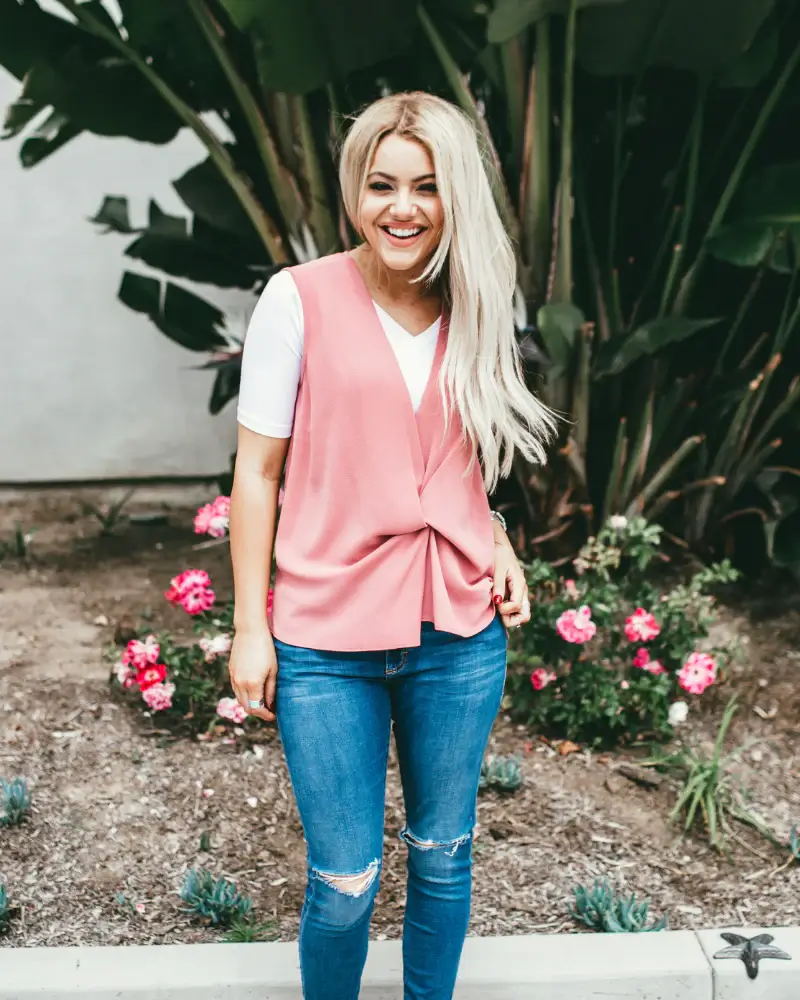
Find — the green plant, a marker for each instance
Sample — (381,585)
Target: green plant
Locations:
(602,910)
(6,910)
(607,684)
(111,516)
(18,546)
(242,932)
(15,799)
(794,844)
(502,773)
(708,789)
(217,900)
(638,334)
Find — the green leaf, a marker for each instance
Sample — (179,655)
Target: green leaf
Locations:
(650,338)
(226,386)
(510,17)
(53,133)
(184,317)
(559,325)
(702,36)
(109,97)
(28,34)
(745,245)
(205,191)
(769,197)
(750,67)
(786,543)
(114,215)
(304,45)
(184,256)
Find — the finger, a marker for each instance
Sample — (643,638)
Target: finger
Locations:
(270,690)
(499,588)
(256,694)
(526,606)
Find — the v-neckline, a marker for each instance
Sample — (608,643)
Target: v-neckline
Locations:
(423,335)
(438,353)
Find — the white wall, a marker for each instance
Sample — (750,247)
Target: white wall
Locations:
(89,389)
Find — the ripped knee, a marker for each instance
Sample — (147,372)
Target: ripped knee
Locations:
(350,885)
(449,847)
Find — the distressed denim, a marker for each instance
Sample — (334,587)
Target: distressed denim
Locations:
(335,712)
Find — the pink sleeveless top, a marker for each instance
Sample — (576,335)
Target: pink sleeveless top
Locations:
(379,529)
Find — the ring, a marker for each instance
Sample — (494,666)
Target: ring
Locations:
(256,704)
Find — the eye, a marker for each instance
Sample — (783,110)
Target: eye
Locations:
(429,188)
(380,186)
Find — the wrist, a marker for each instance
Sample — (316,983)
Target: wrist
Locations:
(250,626)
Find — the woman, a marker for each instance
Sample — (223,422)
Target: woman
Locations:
(382,376)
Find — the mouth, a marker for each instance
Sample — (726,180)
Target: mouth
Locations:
(402,236)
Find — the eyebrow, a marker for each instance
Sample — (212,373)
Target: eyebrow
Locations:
(389,177)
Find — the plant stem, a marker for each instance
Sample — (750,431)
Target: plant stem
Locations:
(767,109)
(562,287)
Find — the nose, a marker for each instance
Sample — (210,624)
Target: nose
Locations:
(403,206)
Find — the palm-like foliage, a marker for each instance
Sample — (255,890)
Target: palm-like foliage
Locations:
(633,140)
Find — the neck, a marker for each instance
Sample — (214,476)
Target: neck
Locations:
(400,286)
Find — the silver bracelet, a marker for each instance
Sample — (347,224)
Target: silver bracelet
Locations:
(497,516)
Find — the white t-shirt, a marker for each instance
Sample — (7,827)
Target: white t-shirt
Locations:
(273,354)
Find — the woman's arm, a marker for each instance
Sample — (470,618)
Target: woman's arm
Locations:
(254,508)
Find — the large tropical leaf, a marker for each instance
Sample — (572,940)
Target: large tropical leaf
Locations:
(510,17)
(770,197)
(558,324)
(616,355)
(205,191)
(302,45)
(28,35)
(703,36)
(745,245)
(184,317)
(108,97)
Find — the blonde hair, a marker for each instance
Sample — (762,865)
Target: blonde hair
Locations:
(475,262)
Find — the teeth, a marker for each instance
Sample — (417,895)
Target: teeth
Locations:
(403,233)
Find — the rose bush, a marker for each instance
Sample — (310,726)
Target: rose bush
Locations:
(607,657)
(185,684)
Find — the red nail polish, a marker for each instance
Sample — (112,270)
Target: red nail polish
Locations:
(498,598)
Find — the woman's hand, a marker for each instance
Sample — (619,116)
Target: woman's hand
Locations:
(253,668)
(510,583)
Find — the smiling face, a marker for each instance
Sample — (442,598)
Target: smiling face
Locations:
(401,213)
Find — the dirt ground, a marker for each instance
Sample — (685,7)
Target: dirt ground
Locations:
(118,808)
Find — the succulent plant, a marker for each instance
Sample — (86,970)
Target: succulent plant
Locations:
(501,772)
(601,909)
(15,801)
(5,909)
(217,900)
(794,843)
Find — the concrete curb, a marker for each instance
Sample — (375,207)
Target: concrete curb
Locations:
(668,965)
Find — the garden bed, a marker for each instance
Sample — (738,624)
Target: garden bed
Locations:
(118,807)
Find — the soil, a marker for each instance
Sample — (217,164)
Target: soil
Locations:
(119,807)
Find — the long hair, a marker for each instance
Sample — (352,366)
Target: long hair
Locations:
(475,264)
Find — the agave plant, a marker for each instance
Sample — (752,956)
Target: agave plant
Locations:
(217,900)
(5,909)
(502,773)
(15,799)
(602,910)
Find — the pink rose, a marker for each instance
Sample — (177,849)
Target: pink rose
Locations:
(126,675)
(139,654)
(643,662)
(641,626)
(191,591)
(195,602)
(540,678)
(213,518)
(576,626)
(230,709)
(698,672)
(571,590)
(159,696)
(151,675)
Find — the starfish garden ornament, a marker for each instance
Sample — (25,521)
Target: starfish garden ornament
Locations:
(751,950)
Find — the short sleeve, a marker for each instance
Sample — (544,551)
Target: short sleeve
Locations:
(272,359)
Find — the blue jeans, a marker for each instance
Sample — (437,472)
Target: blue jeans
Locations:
(335,711)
